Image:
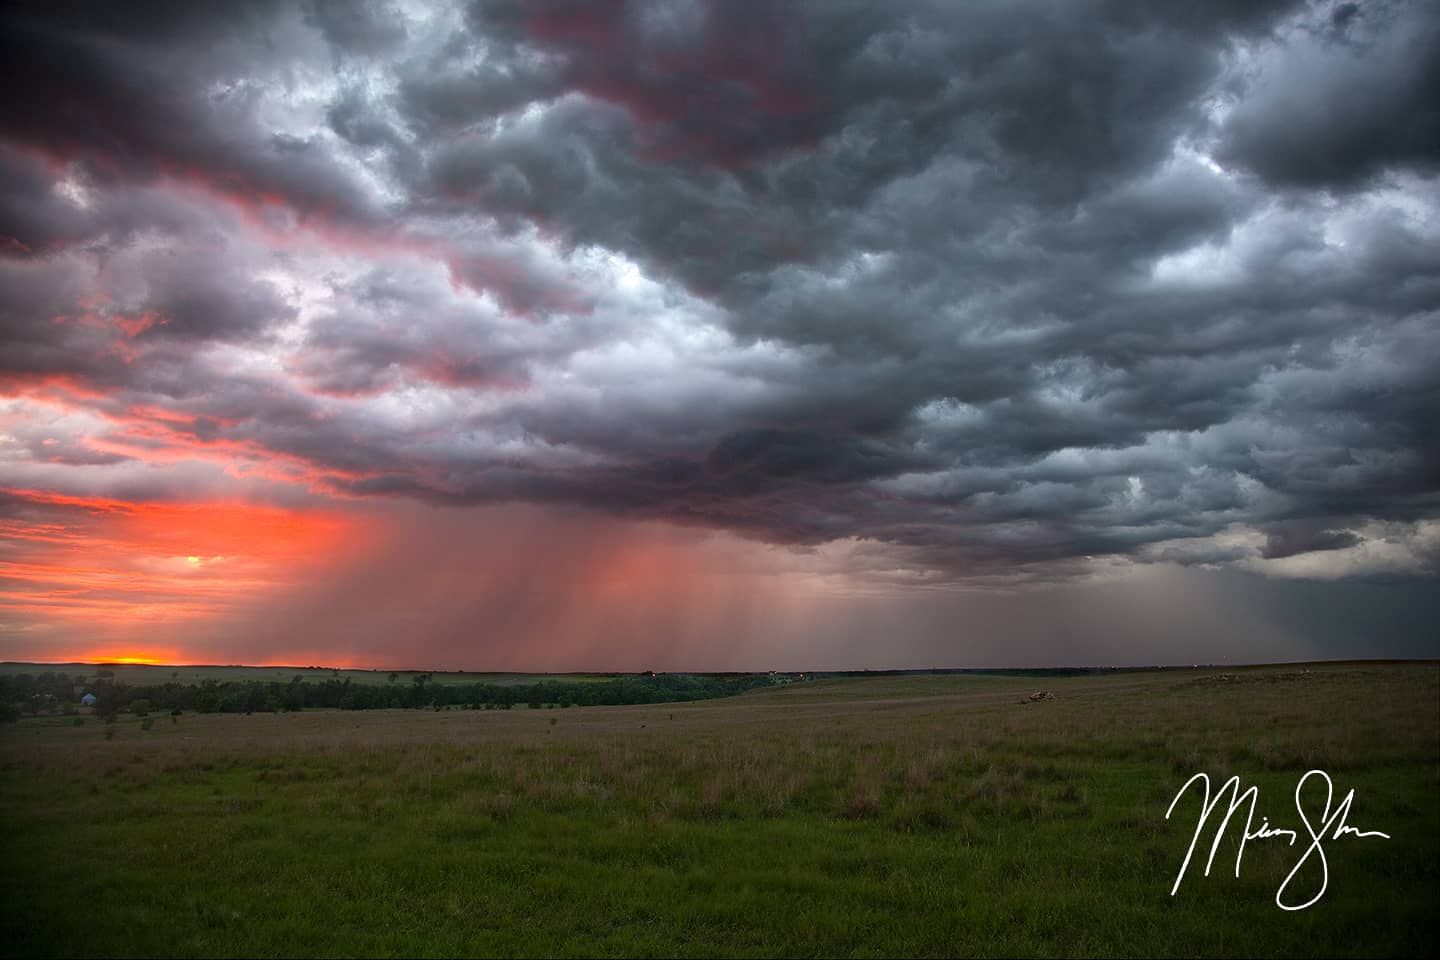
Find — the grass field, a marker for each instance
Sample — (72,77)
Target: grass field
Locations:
(855,817)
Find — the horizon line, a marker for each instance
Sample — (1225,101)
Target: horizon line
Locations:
(814,670)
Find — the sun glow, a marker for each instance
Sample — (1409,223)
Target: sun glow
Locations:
(118,570)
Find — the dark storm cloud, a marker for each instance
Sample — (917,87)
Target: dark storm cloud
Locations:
(36,221)
(156,90)
(1345,101)
(1287,540)
(762,454)
(925,128)
(361,27)
(1004,286)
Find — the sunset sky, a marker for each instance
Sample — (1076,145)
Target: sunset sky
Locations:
(721,335)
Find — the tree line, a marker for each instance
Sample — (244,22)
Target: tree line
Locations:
(29,694)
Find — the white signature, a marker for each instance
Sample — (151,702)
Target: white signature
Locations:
(1328,819)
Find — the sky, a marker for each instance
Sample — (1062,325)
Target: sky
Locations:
(719,336)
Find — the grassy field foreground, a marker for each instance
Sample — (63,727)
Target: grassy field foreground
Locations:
(864,817)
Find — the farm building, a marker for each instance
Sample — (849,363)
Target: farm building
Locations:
(88,700)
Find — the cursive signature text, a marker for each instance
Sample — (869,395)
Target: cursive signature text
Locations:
(1331,825)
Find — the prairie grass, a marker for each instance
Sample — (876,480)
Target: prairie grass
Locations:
(931,815)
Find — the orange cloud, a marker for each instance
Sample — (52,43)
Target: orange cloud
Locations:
(112,569)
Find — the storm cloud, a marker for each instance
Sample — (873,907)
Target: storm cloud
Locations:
(1007,292)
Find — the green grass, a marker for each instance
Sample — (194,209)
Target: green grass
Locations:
(855,817)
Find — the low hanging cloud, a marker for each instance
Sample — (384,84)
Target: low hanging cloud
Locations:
(1006,291)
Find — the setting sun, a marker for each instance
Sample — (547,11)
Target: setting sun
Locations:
(139,659)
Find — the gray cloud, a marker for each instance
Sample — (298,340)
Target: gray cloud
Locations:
(1289,539)
(1342,101)
(1002,287)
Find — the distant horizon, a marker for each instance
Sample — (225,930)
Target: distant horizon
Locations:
(824,670)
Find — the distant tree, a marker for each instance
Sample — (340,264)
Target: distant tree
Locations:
(140,707)
(107,700)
